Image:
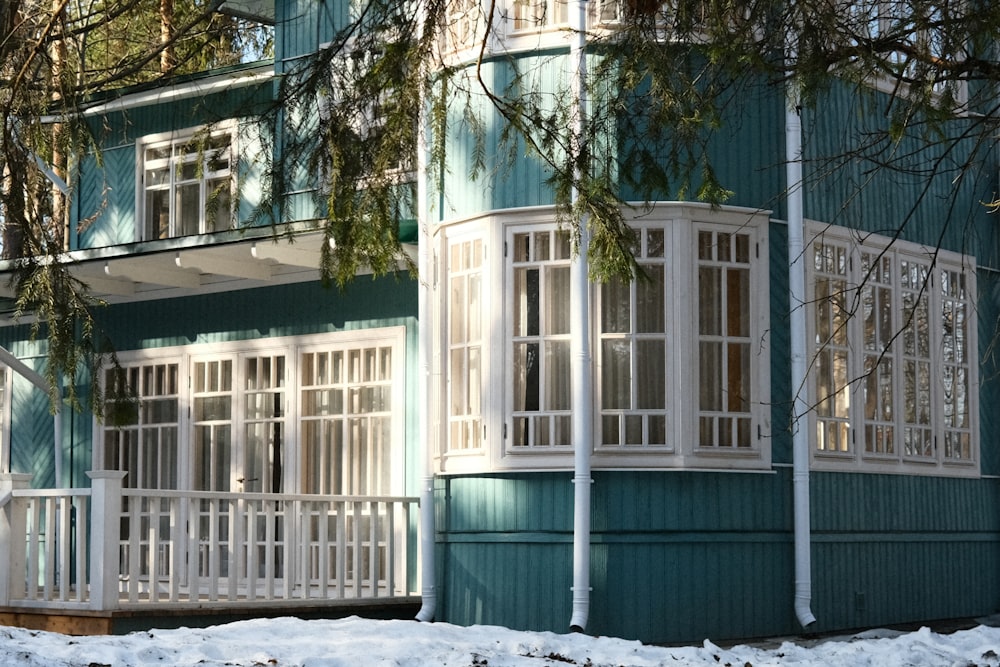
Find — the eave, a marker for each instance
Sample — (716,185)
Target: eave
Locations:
(171,90)
(187,266)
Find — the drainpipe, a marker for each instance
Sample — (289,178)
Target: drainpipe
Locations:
(797,325)
(583,395)
(428,593)
(22,369)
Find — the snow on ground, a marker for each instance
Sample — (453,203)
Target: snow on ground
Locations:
(355,642)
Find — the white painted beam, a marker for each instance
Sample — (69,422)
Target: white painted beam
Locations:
(222,265)
(145,271)
(286,253)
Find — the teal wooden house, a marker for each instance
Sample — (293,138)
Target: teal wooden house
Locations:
(788,425)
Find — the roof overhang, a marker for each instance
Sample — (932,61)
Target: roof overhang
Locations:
(189,89)
(260,11)
(187,266)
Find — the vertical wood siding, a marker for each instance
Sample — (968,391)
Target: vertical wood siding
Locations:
(944,211)
(678,556)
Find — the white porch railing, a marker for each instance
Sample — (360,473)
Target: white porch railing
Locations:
(175,548)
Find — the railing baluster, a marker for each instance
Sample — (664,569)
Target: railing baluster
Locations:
(390,550)
(153,559)
(341,546)
(133,548)
(232,552)
(65,572)
(213,550)
(193,567)
(50,548)
(34,536)
(358,549)
(269,551)
(373,538)
(176,553)
(80,528)
(251,549)
(323,547)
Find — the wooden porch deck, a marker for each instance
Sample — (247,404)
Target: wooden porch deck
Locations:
(123,621)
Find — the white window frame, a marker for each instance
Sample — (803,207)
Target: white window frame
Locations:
(172,141)
(881,16)
(679,223)
(874,368)
(292,348)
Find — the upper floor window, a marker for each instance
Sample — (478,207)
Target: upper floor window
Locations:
(536,14)
(921,31)
(186,185)
(893,372)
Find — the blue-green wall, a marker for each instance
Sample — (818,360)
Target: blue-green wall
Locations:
(682,556)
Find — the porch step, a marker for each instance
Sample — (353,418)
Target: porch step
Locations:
(123,621)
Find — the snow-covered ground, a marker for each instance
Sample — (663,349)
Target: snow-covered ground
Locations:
(355,642)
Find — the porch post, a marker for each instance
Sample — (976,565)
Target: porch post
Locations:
(13,526)
(105,511)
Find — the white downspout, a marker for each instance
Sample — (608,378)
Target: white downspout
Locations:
(22,369)
(579,305)
(428,591)
(797,325)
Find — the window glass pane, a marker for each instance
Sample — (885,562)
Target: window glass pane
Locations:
(157,214)
(526,302)
(557,376)
(650,307)
(616,381)
(218,212)
(654,243)
(188,209)
(738,376)
(710,301)
(526,369)
(615,307)
(651,378)
(738,302)
(557,299)
(709,375)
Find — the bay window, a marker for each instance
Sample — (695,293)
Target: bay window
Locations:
(680,358)
(892,381)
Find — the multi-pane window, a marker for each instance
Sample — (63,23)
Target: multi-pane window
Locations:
(143,441)
(831,314)
(680,353)
(535,14)
(346,418)
(462,21)
(540,340)
(186,186)
(264,398)
(891,376)
(465,362)
(239,433)
(212,424)
(917,31)
(633,359)
(724,339)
